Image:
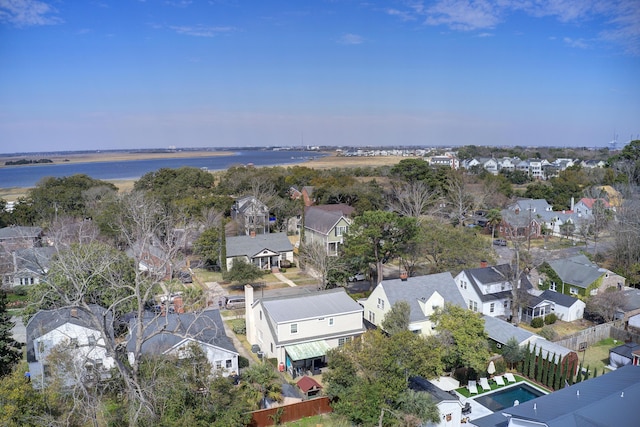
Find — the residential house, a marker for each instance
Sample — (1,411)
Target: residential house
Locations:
(488,289)
(449,161)
(579,276)
(251,215)
(500,332)
(607,400)
(327,225)
(535,168)
(17,237)
(297,326)
(566,307)
(624,355)
(423,293)
(266,251)
(630,308)
(73,331)
(152,259)
(532,216)
(173,334)
(591,164)
(30,266)
(585,206)
(306,194)
(449,406)
(508,163)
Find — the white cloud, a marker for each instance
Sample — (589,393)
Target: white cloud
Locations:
(579,43)
(201,30)
(351,39)
(28,13)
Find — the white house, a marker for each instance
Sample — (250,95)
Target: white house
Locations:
(488,289)
(566,307)
(423,293)
(30,266)
(173,334)
(70,330)
(297,326)
(449,406)
(263,250)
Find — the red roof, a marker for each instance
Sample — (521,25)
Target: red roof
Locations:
(307,383)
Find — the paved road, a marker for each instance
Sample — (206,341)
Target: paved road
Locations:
(19,330)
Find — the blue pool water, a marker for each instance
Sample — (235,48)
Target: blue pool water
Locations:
(499,400)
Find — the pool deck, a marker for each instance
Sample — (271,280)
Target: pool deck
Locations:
(478,410)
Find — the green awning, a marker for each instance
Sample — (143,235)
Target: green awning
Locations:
(307,350)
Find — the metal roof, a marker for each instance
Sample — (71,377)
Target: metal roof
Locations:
(309,306)
(608,400)
(250,246)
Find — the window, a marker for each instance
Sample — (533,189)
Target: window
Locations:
(552,286)
(372,317)
(341,230)
(343,341)
(506,304)
(380,303)
(228,363)
(492,307)
(271,347)
(573,291)
(330,321)
(260,314)
(92,340)
(294,328)
(473,306)
(218,364)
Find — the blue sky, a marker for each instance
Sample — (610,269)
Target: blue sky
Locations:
(84,74)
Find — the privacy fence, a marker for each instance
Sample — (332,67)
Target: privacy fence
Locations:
(293,412)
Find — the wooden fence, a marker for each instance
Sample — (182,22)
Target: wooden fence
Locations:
(293,412)
(591,335)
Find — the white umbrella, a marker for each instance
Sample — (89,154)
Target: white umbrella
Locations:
(491,369)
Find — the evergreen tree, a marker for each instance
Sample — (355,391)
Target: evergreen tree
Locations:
(539,367)
(586,374)
(532,363)
(552,368)
(558,376)
(545,369)
(525,363)
(579,376)
(10,352)
(223,247)
(595,372)
(563,377)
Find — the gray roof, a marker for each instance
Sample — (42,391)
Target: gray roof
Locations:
(501,331)
(422,288)
(438,395)
(206,327)
(246,203)
(626,349)
(321,220)
(493,275)
(631,299)
(34,259)
(46,321)
(250,246)
(308,306)
(608,400)
(577,270)
(16,231)
(555,297)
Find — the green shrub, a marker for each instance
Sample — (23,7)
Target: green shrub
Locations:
(239,327)
(243,362)
(538,322)
(550,319)
(20,290)
(548,333)
(501,366)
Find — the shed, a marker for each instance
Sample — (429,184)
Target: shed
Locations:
(309,386)
(622,354)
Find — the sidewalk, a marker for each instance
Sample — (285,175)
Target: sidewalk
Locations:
(283,279)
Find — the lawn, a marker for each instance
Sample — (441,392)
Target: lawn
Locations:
(597,355)
(326,420)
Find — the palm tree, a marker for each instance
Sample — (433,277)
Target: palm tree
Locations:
(262,382)
(494,218)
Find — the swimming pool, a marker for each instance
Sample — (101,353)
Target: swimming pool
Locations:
(505,398)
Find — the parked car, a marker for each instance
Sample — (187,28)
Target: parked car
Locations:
(233,302)
(358,277)
(500,242)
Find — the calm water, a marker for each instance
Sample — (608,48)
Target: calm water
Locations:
(499,400)
(28,176)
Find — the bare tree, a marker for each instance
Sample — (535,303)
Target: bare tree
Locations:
(414,198)
(459,198)
(314,257)
(606,304)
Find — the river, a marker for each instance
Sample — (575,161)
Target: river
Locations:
(28,176)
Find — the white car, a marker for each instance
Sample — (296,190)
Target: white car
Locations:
(358,277)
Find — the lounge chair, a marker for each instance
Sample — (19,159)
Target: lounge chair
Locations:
(484,383)
(499,380)
(466,409)
(509,376)
(473,388)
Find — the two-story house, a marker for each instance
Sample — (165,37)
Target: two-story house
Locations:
(327,225)
(298,326)
(72,331)
(29,266)
(488,289)
(266,251)
(251,215)
(423,293)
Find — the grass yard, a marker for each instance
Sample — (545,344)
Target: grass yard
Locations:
(597,355)
(326,420)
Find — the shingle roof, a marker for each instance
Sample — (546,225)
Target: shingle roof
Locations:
(46,321)
(34,259)
(556,297)
(308,306)
(493,275)
(626,349)
(19,232)
(206,327)
(422,287)
(577,270)
(250,246)
(608,400)
(321,220)
(438,395)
